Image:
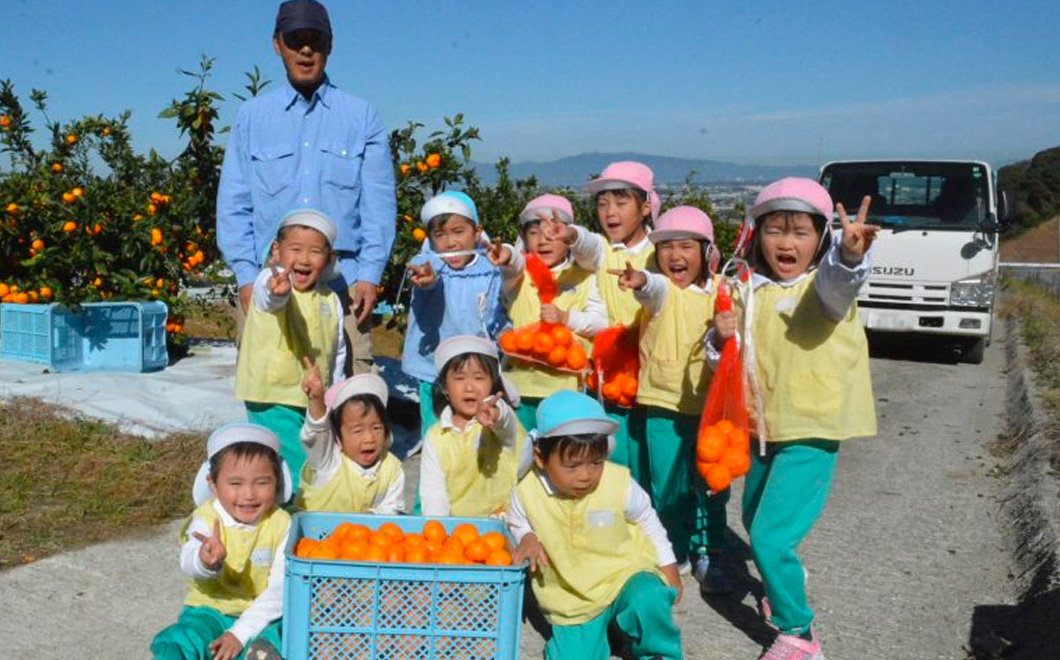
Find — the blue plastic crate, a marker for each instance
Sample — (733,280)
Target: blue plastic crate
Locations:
(356,610)
(119,336)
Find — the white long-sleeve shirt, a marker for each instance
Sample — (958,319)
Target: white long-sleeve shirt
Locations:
(585,322)
(638,511)
(434,496)
(265,301)
(323,454)
(589,249)
(267,607)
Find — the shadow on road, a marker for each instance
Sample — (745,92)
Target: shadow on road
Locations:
(731,607)
(1027,631)
(912,347)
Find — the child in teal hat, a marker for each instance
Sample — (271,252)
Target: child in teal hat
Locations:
(597,551)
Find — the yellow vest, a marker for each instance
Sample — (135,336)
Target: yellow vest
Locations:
(348,490)
(269,368)
(592,549)
(813,371)
(622,307)
(530,378)
(673,368)
(479,482)
(245,573)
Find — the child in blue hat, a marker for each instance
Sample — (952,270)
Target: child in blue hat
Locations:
(457,291)
(597,550)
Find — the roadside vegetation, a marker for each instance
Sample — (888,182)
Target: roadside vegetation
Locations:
(1038,311)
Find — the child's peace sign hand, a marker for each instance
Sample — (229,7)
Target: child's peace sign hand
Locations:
(499,254)
(280,283)
(555,229)
(531,550)
(489,411)
(629,278)
(422,275)
(312,384)
(212,552)
(857,236)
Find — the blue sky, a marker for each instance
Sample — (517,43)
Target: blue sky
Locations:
(754,82)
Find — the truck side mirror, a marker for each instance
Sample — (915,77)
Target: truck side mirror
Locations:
(1006,207)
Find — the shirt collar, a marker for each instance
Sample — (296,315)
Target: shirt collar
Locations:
(640,246)
(758,280)
(369,471)
(446,421)
(227,520)
(321,94)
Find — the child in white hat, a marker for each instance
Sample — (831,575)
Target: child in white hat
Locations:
(293,314)
(812,365)
(577,307)
(598,552)
(678,307)
(232,548)
(475,453)
(626,205)
(347,440)
(457,291)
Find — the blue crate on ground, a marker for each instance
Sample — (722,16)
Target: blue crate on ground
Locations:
(354,610)
(119,336)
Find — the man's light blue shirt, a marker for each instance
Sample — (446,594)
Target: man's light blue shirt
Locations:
(330,153)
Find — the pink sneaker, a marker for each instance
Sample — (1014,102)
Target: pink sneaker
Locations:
(790,647)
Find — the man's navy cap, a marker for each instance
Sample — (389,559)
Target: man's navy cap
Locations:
(302,15)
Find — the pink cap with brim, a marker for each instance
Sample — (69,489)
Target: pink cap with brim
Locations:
(545,205)
(794,194)
(624,174)
(461,344)
(227,436)
(683,222)
(344,390)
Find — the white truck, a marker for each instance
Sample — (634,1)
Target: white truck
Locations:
(934,269)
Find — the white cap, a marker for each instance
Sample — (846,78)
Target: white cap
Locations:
(344,390)
(461,344)
(313,220)
(228,435)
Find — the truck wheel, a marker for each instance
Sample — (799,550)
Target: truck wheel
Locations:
(973,352)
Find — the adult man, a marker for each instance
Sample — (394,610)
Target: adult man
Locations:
(308,145)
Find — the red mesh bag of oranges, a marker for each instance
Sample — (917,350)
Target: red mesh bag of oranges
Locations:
(723,446)
(549,344)
(616,364)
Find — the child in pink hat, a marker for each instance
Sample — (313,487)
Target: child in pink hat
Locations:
(678,306)
(626,204)
(576,305)
(812,367)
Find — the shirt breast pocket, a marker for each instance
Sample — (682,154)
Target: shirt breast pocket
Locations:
(341,166)
(273,168)
(606,531)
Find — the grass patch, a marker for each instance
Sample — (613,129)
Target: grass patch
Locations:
(1038,311)
(68,481)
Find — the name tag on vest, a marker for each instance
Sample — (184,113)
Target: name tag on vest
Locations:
(325,309)
(601,518)
(786,305)
(261,557)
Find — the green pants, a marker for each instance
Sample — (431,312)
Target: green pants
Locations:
(662,444)
(641,611)
(286,422)
(784,496)
(189,638)
(527,412)
(621,454)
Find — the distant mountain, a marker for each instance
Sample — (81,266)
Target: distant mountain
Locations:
(575,171)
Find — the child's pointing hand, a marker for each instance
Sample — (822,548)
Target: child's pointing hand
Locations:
(629,278)
(489,411)
(555,229)
(499,254)
(857,236)
(280,283)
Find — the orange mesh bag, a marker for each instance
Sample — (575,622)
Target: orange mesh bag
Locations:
(616,365)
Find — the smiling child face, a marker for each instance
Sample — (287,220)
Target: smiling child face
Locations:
(681,260)
(304,253)
(552,253)
(453,233)
(245,486)
(621,215)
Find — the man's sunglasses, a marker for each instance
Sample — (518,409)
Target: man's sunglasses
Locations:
(298,39)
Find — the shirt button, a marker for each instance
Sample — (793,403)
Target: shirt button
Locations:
(305,200)
(343,152)
(306,144)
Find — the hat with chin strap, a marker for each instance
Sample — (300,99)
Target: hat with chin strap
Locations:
(231,434)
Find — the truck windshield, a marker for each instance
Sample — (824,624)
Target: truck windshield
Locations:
(913,195)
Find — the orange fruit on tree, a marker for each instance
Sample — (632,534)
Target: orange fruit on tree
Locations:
(434,160)
(711,445)
(45,292)
(499,558)
(466,532)
(78,191)
(70,139)
(561,336)
(558,356)
(495,540)
(38,244)
(33,296)
(737,460)
(434,531)
(4,290)
(404,169)
(508,342)
(57,167)
(717,477)
(577,357)
(22,298)
(5,121)
(478,550)
(419,234)
(524,339)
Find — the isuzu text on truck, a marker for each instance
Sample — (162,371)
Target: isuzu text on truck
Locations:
(934,267)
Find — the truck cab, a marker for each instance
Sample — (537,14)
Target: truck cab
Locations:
(934,267)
